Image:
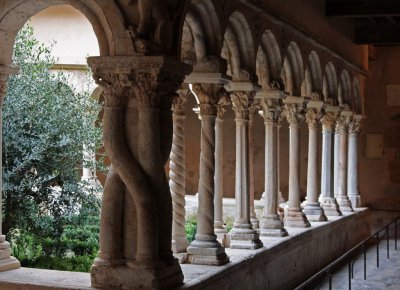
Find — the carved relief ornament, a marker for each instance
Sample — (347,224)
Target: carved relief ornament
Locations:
(342,124)
(208,96)
(223,103)
(272,110)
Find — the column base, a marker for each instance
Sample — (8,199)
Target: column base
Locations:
(206,253)
(245,238)
(138,275)
(255,222)
(272,226)
(180,245)
(330,206)
(296,219)
(314,212)
(344,204)
(7,262)
(355,200)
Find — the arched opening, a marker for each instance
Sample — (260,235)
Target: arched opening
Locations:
(45,148)
(331,83)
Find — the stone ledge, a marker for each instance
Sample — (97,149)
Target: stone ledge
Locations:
(293,258)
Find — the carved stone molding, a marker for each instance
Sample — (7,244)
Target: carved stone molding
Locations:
(241,103)
(313,117)
(294,114)
(328,121)
(208,96)
(354,126)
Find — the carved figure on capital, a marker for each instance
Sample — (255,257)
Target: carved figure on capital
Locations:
(342,124)
(294,114)
(354,127)
(241,101)
(328,121)
(223,103)
(313,116)
(209,96)
(272,110)
(180,100)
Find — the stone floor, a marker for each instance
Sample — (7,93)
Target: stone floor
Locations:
(387,276)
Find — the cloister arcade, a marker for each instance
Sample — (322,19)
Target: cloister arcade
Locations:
(154,56)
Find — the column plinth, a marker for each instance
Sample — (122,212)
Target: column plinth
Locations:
(312,207)
(205,249)
(342,198)
(7,262)
(294,217)
(327,198)
(243,235)
(270,223)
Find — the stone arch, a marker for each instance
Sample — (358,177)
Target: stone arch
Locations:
(201,36)
(113,39)
(331,83)
(293,69)
(238,48)
(308,86)
(315,71)
(269,61)
(346,88)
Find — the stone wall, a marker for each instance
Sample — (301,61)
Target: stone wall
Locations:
(380,177)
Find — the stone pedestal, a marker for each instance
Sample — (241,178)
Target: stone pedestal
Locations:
(294,217)
(312,207)
(327,199)
(7,262)
(243,236)
(352,173)
(205,249)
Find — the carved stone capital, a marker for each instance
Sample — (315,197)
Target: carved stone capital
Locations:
(313,116)
(294,114)
(328,121)
(271,110)
(208,96)
(254,108)
(241,103)
(342,124)
(223,103)
(180,100)
(354,126)
(149,77)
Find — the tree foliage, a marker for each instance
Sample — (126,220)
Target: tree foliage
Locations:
(45,124)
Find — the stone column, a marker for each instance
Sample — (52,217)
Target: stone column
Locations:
(270,223)
(352,173)
(341,128)
(7,262)
(205,249)
(254,107)
(177,172)
(327,198)
(294,216)
(243,236)
(336,157)
(219,227)
(136,214)
(312,207)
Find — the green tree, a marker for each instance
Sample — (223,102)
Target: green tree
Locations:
(45,124)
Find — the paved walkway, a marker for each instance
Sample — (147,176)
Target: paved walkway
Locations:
(387,276)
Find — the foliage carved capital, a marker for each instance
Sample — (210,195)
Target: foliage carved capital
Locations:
(294,114)
(313,116)
(271,110)
(241,103)
(354,126)
(328,121)
(208,96)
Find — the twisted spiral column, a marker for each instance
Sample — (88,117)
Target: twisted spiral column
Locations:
(177,184)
